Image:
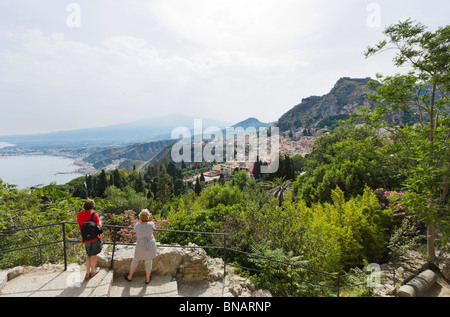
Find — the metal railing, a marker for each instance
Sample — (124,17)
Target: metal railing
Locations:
(337,278)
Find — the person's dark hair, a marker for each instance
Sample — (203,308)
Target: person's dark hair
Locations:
(89,204)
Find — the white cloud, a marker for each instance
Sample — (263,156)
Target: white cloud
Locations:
(78,80)
(221,59)
(238,25)
(125,78)
(126,44)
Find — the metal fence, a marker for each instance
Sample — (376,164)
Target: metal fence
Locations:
(335,281)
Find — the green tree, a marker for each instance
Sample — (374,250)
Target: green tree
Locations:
(216,194)
(89,186)
(298,162)
(102,183)
(256,171)
(221,179)
(153,187)
(151,173)
(139,184)
(350,157)
(241,179)
(172,170)
(80,191)
(198,187)
(285,169)
(178,187)
(425,92)
(117,179)
(164,187)
(125,199)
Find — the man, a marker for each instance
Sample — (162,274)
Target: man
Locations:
(93,246)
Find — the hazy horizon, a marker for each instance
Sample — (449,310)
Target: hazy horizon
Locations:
(118,124)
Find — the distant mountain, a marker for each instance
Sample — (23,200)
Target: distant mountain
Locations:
(347,95)
(145,130)
(252,122)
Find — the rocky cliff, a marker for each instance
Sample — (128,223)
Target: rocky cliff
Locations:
(347,95)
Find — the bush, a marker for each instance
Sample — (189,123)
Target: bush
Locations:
(330,236)
(202,221)
(127,198)
(215,195)
(405,237)
(127,219)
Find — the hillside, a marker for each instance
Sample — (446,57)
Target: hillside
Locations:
(345,97)
(136,152)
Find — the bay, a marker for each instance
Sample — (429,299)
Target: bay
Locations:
(5,144)
(32,170)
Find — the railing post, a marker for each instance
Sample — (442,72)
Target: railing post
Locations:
(64,245)
(224,258)
(114,248)
(338,285)
(292,279)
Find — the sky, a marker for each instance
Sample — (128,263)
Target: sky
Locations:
(77,64)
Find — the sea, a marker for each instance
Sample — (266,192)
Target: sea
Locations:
(31,170)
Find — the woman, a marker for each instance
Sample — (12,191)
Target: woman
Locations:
(145,245)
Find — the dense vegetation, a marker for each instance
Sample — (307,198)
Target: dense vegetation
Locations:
(364,194)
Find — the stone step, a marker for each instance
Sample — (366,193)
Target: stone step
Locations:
(59,283)
(159,286)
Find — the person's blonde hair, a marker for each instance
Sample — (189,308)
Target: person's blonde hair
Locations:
(144,215)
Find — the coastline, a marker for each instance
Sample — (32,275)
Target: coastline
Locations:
(33,170)
(80,166)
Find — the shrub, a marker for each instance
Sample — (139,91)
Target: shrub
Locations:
(128,219)
(215,195)
(202,221)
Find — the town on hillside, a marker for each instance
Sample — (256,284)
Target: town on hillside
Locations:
(291,143)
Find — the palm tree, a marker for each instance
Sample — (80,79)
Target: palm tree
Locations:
(278,188)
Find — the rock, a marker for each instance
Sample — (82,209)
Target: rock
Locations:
(9,274)
(384,290)
(14,272)
(168,261)
(3,279)
(406,291)
(419,285)
(443,263)
(240,287)
(186,265)
(262,293)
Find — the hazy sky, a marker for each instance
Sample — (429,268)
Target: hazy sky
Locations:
(86,63)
